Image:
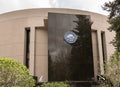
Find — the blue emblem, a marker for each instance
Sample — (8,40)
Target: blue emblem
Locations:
(70,37)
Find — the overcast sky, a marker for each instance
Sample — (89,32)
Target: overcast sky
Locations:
(88,5)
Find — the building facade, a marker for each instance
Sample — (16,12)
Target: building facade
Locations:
(24,37)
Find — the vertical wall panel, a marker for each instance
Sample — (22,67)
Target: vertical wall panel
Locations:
(41,54)
(95,53)
(72,62)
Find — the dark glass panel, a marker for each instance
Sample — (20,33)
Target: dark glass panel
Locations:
(27,30)
(71,62)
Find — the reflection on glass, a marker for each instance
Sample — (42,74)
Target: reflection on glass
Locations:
(69,62)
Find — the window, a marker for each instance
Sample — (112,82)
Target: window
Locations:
(103,47)
(27,47)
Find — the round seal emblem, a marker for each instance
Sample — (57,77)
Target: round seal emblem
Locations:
(70,37)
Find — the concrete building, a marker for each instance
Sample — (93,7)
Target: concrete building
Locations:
(24,37)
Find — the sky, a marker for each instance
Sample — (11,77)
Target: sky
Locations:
(88,5)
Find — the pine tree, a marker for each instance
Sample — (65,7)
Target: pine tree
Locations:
(113,8)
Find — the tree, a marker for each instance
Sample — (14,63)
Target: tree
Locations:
(112,76)
(14,74)
(113,8)
(114,19)
(83,46)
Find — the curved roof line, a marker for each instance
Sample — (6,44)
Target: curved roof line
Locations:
(51,9)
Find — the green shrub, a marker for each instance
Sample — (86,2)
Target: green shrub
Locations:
(14,74)
(55,84)
(112,74)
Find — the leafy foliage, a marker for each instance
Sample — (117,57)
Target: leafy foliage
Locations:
(114,20)
(113,65)
(113,7)
(55,84)
(14,74)
(112,75)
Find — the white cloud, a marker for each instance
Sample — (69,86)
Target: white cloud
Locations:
(89,5)
(11,5)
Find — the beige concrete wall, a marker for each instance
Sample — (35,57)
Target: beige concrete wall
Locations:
(41,53)
(95,54)
(12,37)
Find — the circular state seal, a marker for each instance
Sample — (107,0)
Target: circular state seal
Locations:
(70,37)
